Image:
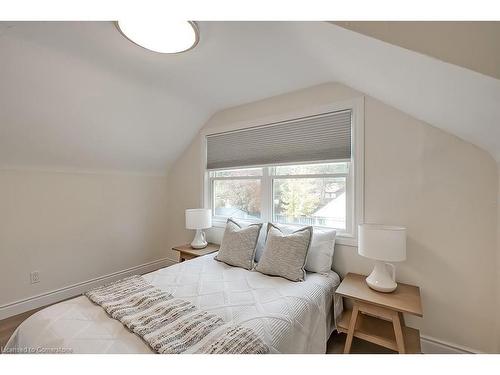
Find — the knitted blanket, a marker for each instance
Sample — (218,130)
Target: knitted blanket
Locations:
(170,325)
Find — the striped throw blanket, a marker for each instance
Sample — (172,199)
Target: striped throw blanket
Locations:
(171,325)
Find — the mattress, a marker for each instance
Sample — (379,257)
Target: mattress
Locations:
(291,317)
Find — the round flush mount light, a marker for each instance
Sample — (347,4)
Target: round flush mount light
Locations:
(161,36)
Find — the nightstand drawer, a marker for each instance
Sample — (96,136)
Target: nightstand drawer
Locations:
(185,256)
(186,252)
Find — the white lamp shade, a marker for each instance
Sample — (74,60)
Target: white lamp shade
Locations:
(382,242)
(198,218)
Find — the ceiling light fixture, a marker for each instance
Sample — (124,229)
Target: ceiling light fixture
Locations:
(161,36)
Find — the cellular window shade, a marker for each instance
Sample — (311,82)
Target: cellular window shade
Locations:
(321,137)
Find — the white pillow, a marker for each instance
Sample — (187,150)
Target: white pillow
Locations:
(320,255)
(261,242)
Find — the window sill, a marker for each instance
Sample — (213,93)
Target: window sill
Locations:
(344,240)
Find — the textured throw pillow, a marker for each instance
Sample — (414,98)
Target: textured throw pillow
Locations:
(320,255)
(261,240)
(238,245)
(285,255)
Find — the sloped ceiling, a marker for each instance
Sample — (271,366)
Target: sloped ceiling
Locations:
(472,44)
(79,95)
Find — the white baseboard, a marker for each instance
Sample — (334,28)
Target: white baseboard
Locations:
(431,345)
(44,299)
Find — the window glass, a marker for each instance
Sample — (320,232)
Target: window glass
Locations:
(237,198)
(319,201)
(307,194)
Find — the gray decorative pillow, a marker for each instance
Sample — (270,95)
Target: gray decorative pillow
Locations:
(239,244)
(261,241)
(285,255)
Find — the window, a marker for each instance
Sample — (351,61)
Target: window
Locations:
(303,170)
(309,194)
(237,193)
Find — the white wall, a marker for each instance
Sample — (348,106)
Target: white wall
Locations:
(442,188)
(73,227)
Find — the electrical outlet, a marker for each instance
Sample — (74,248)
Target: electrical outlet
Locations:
(35,277)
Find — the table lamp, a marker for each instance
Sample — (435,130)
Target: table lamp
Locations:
(383,243)
(199,219)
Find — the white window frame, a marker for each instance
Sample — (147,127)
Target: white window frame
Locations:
(354,181)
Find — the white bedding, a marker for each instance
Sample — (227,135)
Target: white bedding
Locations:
(292,317)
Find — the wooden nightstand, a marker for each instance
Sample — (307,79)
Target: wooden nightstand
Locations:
(378,317)
(186,252)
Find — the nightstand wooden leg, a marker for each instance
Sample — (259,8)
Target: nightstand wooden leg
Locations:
(401,319)
(352,327)
(398,332)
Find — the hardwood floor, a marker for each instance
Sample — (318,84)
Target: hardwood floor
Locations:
(335,344)
(9,325)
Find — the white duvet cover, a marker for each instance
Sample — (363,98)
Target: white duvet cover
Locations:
(291,317)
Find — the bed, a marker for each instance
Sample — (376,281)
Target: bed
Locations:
(291,317)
